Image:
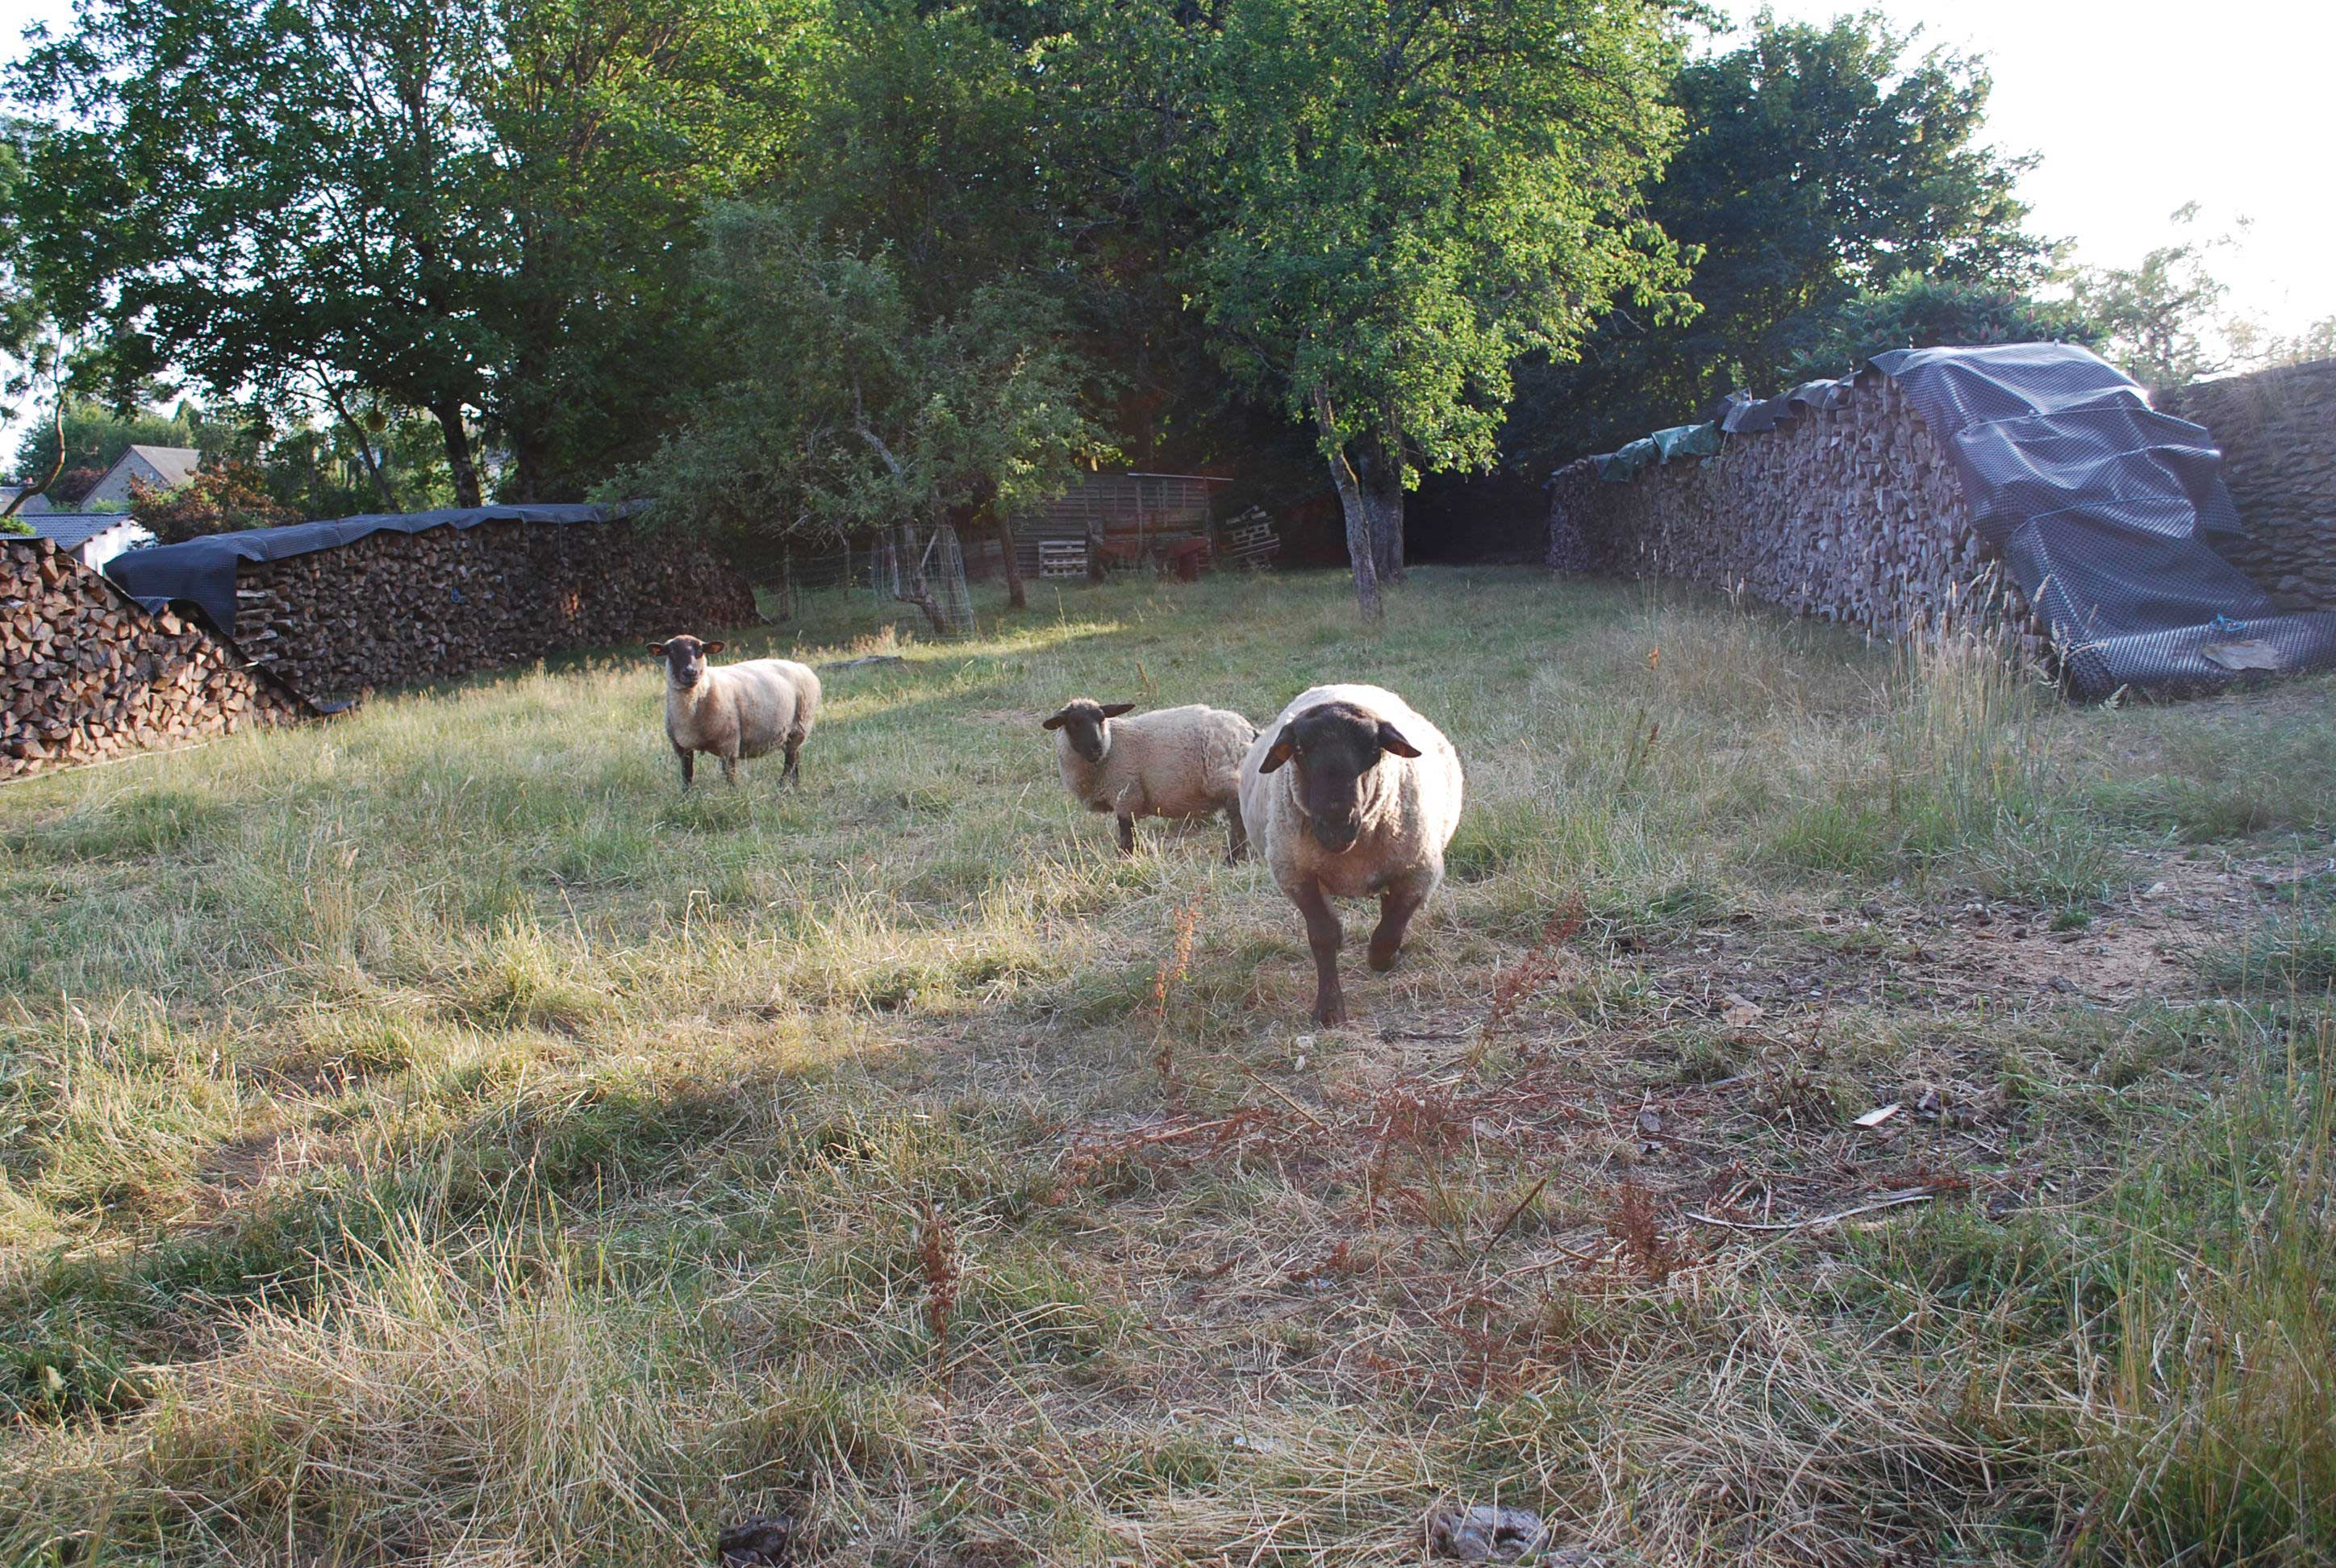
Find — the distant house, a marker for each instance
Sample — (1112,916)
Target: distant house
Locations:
(91,538)
(9,492)
(161,468)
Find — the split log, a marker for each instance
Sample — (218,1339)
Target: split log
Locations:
(1853,515)
(86,674)
(391,608)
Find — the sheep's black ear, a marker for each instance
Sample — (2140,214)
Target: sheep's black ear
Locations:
(657,650)
(1276,755)
(1114,709)
(1391,739)
(1055,721)
(715,647)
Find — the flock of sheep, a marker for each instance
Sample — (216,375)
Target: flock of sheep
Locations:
(1348,792)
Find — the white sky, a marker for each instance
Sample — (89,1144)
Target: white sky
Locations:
(2138,106)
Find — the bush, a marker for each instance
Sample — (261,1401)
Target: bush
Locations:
(225,495)
(1918,311)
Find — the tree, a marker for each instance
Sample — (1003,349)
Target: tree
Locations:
(93,437)
(467,210)
(1400,199)
(28,351)
(1918,311)
(2157,316)
(842,410)
(226,495)
(2263,348)
(1819,164)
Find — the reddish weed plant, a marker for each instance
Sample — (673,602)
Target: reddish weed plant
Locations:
(1539,966)
(1172,973)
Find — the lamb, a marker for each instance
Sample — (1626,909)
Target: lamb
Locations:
(1177,763)
(734,711)
(1351,793)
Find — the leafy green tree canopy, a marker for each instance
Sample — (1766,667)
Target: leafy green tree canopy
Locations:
(842,410)
(1918,311)
(1399,199)
(470,210)
(1820,163)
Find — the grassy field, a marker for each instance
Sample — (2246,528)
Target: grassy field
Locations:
(429,1138)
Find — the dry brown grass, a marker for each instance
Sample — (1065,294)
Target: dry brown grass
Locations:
(428,1138)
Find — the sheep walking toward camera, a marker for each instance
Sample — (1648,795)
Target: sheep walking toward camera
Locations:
(1176,763)
(733,712)
(1351,794)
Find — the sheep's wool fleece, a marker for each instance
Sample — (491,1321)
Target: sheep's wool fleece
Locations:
(1173,762)
(767,700)
(1410,805)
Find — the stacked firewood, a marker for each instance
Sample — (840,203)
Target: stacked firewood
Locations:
(1851,514)
(393,608)
(85,673)
(2278,444)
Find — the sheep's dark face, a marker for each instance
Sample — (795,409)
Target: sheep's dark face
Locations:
(684,659)
(1334,746)
(1083,724)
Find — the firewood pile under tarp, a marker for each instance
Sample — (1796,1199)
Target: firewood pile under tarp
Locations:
(2033,480)
(335,607)
(86,674)
(1849,512)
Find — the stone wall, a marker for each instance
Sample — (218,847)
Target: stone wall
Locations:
(85,673)
(1851,514)
(2277,432)
(392,607)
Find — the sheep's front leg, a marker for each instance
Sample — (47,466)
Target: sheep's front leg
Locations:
(1236,836)
(1127,834)
(1397,906)
(1325,937)
(688,765)
(730,771)
(793,772)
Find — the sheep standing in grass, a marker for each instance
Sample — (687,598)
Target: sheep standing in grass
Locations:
(1351,793)
(1180,762)
(735,711)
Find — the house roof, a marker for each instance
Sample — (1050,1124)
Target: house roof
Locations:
(72,529)
(33,507)
(176,464)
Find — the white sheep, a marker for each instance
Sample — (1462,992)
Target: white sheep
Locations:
(734,711)
(1351,793)
(1176,763)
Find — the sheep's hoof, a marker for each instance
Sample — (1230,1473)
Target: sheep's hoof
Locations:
(1330,1014)
(1384,962)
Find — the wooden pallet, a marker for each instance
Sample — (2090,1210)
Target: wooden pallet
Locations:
(1062,557)
(1252,544)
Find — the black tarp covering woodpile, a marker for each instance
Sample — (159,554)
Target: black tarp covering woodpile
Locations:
(2064,494)
(334,608)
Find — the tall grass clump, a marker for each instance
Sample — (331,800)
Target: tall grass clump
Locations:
(1965,777)
(2209,1429)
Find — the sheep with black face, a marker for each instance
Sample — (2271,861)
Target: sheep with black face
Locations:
(735,711)
(1176,763)
(1351,794)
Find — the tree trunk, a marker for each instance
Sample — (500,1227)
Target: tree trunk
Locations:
(1383,495)
(365,448)
(1381,475)
(448,412)
(1360,547)
(56,468)
(909,586)
(1016,596)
